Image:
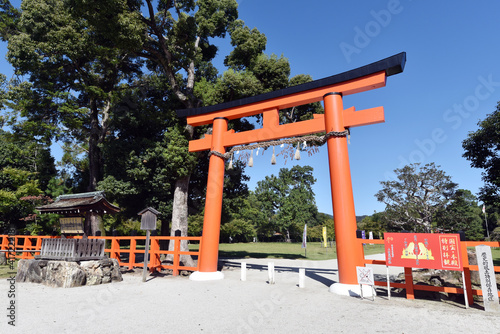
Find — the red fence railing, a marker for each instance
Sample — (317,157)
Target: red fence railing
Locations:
(27,246)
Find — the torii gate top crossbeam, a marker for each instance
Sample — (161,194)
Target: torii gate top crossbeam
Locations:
(345,83)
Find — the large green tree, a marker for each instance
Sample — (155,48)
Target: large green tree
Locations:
(415,196)
(176,39)
(73,74)
(26,168)
(374,223)
(462,214)
(72,78)
(288,200)
(482,148)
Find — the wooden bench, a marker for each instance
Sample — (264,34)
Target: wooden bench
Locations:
(72,249)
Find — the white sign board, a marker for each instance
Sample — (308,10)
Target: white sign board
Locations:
(365,275)
(488,281)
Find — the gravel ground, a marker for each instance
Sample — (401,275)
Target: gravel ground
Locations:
(169,304)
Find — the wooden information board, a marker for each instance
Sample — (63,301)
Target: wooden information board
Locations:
(71,225)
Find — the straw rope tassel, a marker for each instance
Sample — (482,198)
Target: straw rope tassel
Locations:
(250,161)
(230,163)
(273,158)
(297,153)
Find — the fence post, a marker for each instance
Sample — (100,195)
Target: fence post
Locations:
(26,246)
(409,283)
(131,254)
(38,245)
(154,254)
(115,249)
(5,243)
(466,269)
(177,249)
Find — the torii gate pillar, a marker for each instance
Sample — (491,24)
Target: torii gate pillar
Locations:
(349,252)
(213,205)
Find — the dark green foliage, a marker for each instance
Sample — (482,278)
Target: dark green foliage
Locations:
(26,170)
(374,223)
(248,45)
(74,74)
(84,61)
(482,149)
(237,230)
(8,19)
(287,200)
(462,214)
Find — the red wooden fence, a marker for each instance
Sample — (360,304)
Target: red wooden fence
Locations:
(27,246)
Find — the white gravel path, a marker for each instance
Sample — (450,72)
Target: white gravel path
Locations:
(177,305)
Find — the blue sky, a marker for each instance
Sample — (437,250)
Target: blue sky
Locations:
(450,82)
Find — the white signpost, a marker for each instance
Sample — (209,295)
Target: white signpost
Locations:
(365,277)
(488,281)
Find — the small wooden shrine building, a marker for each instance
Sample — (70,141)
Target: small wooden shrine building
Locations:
(80,211)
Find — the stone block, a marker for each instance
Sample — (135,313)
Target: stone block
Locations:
(67,274)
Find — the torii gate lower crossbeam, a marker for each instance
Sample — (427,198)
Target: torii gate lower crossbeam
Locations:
(336,119)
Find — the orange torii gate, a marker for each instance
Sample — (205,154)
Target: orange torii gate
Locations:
(334,122)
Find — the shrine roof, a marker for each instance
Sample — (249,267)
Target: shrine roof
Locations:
(391,65)
(80,203)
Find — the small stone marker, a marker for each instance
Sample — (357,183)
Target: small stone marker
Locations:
(243,271)
(270,272)
(488,280)
(302,277)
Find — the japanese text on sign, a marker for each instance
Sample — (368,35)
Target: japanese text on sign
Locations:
(423,250)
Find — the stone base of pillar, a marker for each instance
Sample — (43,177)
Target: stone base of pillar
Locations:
(202,276)
(353,290)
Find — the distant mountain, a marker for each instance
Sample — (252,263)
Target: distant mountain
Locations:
(360,218)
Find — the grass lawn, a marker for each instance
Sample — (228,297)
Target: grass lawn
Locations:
(6,272)
(283,250)
(495,253)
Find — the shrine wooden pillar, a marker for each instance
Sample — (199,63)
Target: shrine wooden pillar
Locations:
(209,250)
(349,254)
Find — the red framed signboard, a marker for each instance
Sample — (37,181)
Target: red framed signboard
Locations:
(423,250)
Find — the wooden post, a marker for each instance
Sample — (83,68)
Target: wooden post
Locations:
(38,245)
(146,255)
(27,246)
(410,294)
(154,254)
(131,254)
(466,271)
(115,249)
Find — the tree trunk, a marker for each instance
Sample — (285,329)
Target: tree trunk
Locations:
(180,219)
(94,151)
(92,221)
